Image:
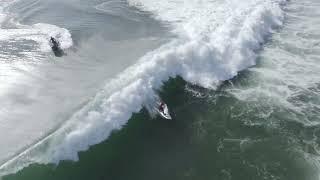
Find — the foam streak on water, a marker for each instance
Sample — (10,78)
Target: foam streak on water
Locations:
(287,79)
(289,70)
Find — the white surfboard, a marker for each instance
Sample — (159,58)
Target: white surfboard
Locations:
(165,114)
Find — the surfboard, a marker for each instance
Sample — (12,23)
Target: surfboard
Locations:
(165,114)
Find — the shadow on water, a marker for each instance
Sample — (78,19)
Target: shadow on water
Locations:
(56,49)
(206,140)
(58,53)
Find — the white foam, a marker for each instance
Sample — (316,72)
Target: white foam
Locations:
(39,33)
(216,40)
(16,63)
(290,73)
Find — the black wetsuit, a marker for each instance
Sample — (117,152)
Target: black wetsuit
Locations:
(55,46)
(161,107)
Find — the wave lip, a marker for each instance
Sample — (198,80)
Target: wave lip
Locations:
(215,41)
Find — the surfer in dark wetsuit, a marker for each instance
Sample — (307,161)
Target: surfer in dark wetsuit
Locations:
(161,107)
(55,46)
(163,110)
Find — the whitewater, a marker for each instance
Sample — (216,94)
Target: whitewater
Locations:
(13,34)
(209,42)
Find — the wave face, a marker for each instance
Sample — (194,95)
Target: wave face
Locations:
(214,41)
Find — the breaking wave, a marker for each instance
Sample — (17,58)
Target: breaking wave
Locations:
(214,41)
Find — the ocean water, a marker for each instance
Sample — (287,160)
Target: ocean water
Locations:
(241,79)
